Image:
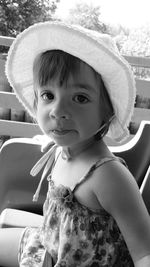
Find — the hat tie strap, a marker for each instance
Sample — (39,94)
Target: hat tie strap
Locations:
(47,159)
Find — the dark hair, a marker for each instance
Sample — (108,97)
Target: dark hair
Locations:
(54,64)
(57,64)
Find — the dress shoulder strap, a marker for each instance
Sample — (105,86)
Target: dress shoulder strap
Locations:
(107,159)
(99,163)
(96,165)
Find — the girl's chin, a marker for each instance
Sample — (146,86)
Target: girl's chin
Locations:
(64,138)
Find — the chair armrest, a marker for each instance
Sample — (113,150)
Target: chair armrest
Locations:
(19,218)
(145,190)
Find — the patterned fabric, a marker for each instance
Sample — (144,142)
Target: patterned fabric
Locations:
(74,235)
(31,252)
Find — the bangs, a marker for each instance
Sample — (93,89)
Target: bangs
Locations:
(54,65)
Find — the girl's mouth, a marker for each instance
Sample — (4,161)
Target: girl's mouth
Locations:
(61,132)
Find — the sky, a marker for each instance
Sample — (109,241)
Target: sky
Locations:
(128,13)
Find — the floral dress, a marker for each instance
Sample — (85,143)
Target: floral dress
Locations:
(73,235)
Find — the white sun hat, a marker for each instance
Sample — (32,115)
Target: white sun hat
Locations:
(96,49)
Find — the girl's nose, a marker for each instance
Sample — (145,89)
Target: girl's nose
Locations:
(59,111)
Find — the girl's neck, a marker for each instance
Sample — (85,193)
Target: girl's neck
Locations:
(70,153)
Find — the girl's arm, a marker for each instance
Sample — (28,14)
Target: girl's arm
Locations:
(118,193)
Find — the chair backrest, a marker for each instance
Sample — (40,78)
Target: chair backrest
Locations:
(136,152)
(17,186)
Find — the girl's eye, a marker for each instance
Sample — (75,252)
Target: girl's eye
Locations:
(81,99)
(47,96)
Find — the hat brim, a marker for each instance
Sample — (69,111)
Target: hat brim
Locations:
(95,49)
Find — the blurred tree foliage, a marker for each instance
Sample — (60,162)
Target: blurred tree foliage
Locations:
(88,16)
(132,42)
(16,15)
(136,42)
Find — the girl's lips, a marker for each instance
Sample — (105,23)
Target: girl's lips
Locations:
(61,132)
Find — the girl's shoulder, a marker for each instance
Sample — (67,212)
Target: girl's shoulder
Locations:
(112,181)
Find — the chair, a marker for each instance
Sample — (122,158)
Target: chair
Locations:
(136,152)
(145,190)
(17,186)
(18,218)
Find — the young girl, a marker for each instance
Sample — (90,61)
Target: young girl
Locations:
(76,85)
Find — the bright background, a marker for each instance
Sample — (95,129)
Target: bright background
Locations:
(128,13)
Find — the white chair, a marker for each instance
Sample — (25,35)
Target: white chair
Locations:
(145,190)
(136,152)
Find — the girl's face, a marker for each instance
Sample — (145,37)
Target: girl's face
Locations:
(71,114)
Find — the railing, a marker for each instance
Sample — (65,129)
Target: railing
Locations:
(14,121)
(142,105)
